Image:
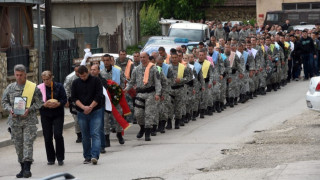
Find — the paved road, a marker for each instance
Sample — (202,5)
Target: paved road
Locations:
(177,154)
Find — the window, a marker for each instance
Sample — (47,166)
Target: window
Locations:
(272,17)
(303,6)
(315,6)
(313,16)
(293,16)
(16,28)
(289,6)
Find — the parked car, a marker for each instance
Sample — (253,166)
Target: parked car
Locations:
(313,94)
(301,27)
(154,43)
(195,32)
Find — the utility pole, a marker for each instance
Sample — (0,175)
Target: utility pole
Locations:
(48,43)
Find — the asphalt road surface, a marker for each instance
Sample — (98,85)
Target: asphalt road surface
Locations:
(177,154)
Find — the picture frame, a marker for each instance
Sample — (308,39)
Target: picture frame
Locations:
(19,107)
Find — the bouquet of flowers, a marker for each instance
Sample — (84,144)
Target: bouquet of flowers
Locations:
(115,92)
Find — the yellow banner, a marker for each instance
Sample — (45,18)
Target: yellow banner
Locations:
(205,68)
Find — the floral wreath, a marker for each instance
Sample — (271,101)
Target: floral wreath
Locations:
(115,92)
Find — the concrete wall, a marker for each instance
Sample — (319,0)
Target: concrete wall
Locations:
(231,13)
(108,16)
(272,5)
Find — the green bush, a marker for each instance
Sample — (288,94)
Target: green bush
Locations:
(149,21)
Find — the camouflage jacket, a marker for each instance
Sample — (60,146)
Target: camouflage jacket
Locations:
(68,84)
(7,101)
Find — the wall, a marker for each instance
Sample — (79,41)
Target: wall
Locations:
(272,5)
(231,13)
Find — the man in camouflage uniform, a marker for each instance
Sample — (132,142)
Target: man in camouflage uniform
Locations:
(67,86)
(198,86)
(220,32)
(107,74)
(148,92)
(234,34)
(284,65)
(273,58)
(260,66)
(23,127)
(252,59)
(209,78)
(235,72)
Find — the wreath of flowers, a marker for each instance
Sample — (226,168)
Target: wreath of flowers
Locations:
(115,92)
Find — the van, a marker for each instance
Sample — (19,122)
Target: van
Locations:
(194,32)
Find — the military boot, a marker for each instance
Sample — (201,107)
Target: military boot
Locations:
(228,101)
(255,93)
(186,118)
(213,107)
(147,134)
(107,140)
(79,137)
(20,174)
(269,88)
(251,95)
(120,138)
(263,91)
(177,123)
(235,101)
(201,113)
(169,124)
(278,85)
(134,121)
(154,130)
(231,102)
(241,100)
(217,106)
(275,87)
(182,121)
(209,109)
(161,126)
(222,107)
(141,132)
(194,116)
(27,166)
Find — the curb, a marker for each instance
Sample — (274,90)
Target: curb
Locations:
(8,142)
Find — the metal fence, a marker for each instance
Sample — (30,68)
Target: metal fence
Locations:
(17,55)
(64,51)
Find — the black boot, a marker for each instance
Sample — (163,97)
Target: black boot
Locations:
(154,130)
(209,109)
(231,102)
(251,95)
(182,121)
(186,118)
(263,91)
(217,106)
(177,123)
(278,86)
(241,100)
(194,116)
(275,87)
(27,166)
(120,138)
(213,107)
(20,174)
(79,137)
(134,121)
(255,93)
(161,126)
(107,140)
(235,101)
(201,113)
(228,101)
(141,132)
(169,124)
(269,88)
(222,107)
(147,134)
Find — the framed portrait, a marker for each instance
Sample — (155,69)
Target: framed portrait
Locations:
(19,106)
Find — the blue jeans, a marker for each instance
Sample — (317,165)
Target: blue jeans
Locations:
(102,134)
(307,60)
(90,126)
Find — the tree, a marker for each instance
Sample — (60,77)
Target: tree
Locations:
(183,9)
(149,20)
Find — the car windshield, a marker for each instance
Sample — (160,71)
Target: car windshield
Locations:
(191,34)
(160,41)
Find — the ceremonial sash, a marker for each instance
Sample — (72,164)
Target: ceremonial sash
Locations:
(42,88)
(253,52)
(223,57)
(159,69)
(286,45)
(239,54)
(197,67)
(231,58)
(209,58)
(245,56)
(271,47)
(180,71)
(165,68)
(128,68)
(205,68)
(192,67)
(116,75)
(101,66)
(276,45)
(28,92)
(262,47)
(215,56)
(117,67)
(168,59)
(146,73)
(108,104)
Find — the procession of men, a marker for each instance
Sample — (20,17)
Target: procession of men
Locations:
(162,91)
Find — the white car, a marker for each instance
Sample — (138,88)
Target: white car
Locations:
(313,94)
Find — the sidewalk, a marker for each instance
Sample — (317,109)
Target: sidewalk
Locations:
(5,139)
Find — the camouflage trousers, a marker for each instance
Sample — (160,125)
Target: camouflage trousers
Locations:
(244,86)
(232,87)
(130,117)
(196,101)
(108,117)
(256,81)
(177,103)
(23,138)
(284,71)
(164,108)
(223,90)
(262,79)
(215,94)
(145,109)
(185,100)
(252,86)
(76,124)
(189,99)
(206,98)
